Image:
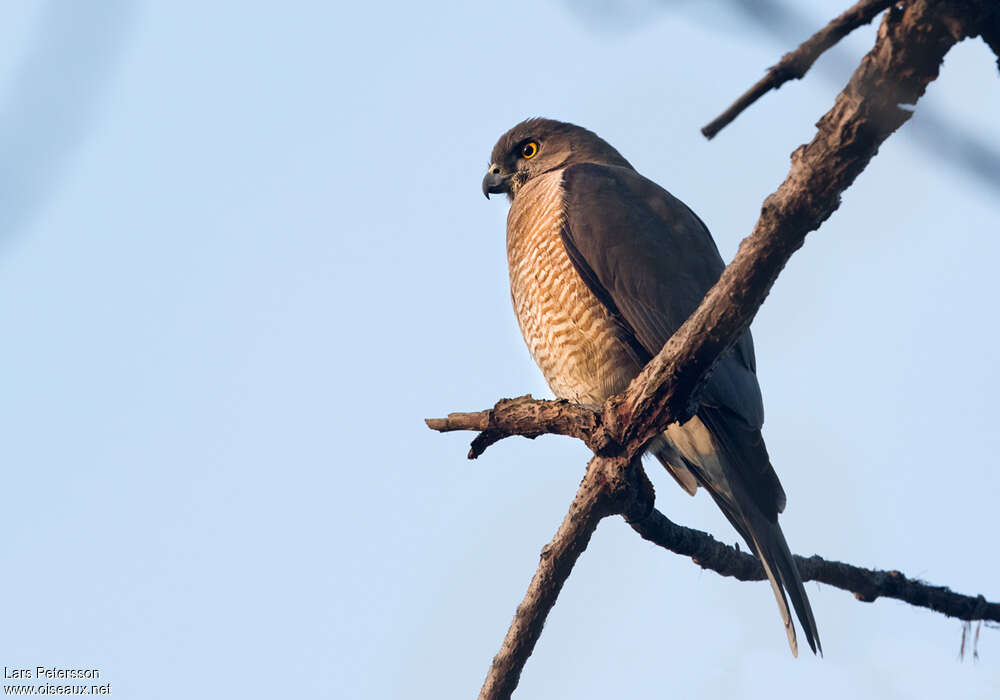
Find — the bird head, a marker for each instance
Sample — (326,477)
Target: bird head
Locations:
(537,146)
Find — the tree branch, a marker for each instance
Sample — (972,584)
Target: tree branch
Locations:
(906,57)
(610,486)
(866,584)
(794,64)
(528,418)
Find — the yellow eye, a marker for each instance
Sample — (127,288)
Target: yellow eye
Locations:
(529,150)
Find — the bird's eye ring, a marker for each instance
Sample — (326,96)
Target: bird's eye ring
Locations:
(529,150)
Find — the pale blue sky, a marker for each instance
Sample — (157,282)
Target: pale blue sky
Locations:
(243,254)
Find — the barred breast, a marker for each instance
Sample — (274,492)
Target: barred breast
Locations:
(567,329)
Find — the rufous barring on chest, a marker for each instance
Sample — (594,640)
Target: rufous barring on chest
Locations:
(568,331)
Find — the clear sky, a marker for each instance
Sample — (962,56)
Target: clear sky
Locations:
(244,253)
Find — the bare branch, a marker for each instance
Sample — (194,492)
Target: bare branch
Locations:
(557,560)
(934,131)
(866,584)
(610,486)
(795,64)
(906,57)
(528,418)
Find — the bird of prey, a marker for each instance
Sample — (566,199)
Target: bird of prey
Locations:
(604,266)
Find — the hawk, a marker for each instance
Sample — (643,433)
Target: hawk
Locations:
(604,266)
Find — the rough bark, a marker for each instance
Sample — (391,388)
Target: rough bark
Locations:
(907,55)
(528,418)
(610,486)
(794,64)
(867,585)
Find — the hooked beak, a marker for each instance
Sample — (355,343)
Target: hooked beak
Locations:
(495,182)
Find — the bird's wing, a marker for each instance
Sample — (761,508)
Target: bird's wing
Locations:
(651,260)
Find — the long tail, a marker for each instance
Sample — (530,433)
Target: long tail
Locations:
(695,460)
(772,549)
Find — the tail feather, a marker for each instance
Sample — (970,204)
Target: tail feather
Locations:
(753,511)
(772,549)
(767,541)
